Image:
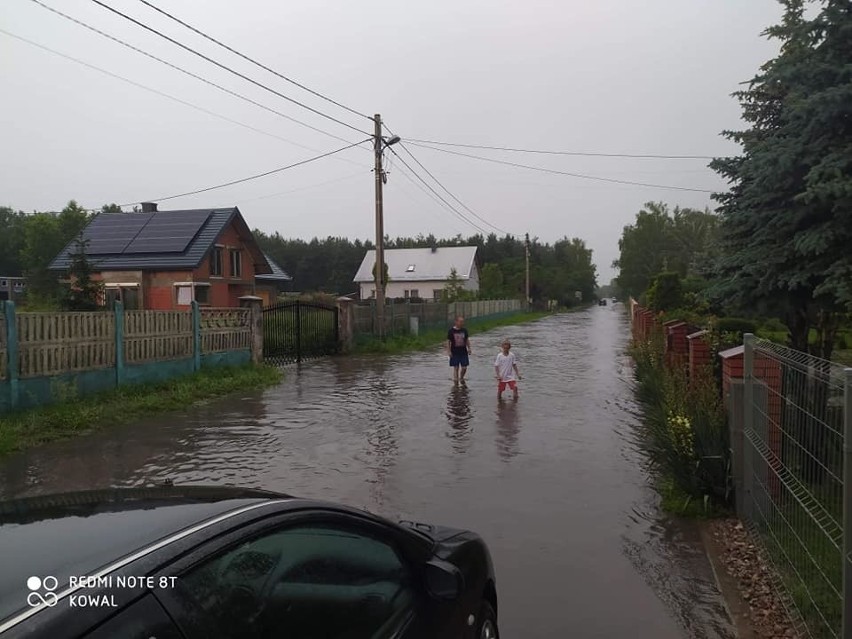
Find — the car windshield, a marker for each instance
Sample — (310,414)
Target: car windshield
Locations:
(62,547)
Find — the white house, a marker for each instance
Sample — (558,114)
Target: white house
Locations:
(420,272)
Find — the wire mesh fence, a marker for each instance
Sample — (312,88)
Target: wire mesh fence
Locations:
(795,477)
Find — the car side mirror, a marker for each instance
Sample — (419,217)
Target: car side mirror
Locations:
(443,580)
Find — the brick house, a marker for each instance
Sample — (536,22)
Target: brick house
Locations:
(162,260)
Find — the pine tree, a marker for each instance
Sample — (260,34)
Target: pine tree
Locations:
(85,293)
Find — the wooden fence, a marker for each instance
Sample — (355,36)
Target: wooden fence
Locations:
(99,350)
(54,343)
(157,335)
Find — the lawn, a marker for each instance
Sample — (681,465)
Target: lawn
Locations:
(25,429)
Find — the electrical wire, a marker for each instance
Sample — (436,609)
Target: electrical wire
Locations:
(440,197)
(573,153)
(305,188)
(166,95)
(463,205)
(251,177)
(253,61)
(185,72)
(555,172)
(225,67)
(443,207)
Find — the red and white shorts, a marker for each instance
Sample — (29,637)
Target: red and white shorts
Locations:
(502,385)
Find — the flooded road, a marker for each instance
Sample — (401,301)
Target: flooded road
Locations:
(551,482)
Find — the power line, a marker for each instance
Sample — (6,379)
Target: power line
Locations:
(251,177)
(165,95)
(185,72)
(573,153)
(225,67)
(463,205)
(440,197)
(253,61)
(430,195)
(305,188)
(555,172)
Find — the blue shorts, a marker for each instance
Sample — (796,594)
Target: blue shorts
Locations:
(459,360)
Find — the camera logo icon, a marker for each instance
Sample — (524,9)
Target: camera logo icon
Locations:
(42,591)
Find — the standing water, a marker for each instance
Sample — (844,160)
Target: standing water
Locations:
(552,482)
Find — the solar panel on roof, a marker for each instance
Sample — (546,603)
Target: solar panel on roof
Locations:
(111,233)
(168,232)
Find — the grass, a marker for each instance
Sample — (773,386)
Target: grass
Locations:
(675,501)
(432,337)
(75,416)
(801,547)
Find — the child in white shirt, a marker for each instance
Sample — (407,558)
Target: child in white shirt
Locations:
(506,370)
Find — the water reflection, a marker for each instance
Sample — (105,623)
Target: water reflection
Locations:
(507,429)
(459,415)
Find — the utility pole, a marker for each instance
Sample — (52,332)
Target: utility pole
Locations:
(527,249)
(380,230)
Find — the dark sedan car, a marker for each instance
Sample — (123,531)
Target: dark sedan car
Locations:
(196,562)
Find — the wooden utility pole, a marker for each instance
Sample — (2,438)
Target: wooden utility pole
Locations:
(380,231)
(527,249)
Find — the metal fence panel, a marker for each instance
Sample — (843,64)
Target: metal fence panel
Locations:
(795,481)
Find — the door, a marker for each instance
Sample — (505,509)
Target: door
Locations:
(329,579)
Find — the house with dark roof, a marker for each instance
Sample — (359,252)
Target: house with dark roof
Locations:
(270,285)
(420,272)
(164,260)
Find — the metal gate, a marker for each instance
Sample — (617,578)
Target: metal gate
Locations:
(296,331)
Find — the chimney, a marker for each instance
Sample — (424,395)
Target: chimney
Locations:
(149,207)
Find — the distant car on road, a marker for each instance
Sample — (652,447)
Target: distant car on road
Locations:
(601,302)
(177,562)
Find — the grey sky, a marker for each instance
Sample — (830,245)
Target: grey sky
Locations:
(616,77)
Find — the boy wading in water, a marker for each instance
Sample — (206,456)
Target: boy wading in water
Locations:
(458,349)
(506,371)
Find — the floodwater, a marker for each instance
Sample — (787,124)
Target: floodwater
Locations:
(552,482)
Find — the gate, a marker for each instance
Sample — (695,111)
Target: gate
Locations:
(296,331)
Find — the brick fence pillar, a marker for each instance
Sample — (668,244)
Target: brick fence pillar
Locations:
(346,323)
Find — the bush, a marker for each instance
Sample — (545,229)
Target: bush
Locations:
(841,342)
(666,292)
(774,325)
(684,432)
(736,325)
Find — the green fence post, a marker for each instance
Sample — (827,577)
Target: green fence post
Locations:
(195,314)
(12,364)
(118,314)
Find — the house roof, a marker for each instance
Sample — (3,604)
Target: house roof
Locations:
(429,264)
(162,240)
(277,273)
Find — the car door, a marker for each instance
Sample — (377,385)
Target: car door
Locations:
(319,576)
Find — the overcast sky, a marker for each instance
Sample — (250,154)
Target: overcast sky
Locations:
(651,77)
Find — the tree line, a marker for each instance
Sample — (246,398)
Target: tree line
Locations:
(557,271)
(778,244)
(30,241)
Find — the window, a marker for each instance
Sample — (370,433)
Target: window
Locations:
(406,293)
(436,294)
(415,293)
(140,620)
(202,293)
(216,261)
(410,268)
(308,581)
(4,283)
(185,293)
(236,263)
